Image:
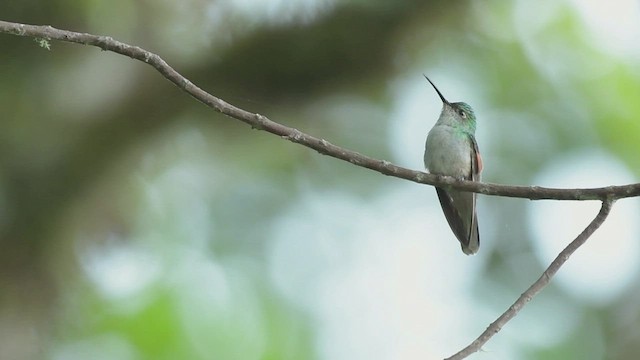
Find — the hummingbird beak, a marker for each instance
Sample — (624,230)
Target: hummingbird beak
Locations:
(438,91)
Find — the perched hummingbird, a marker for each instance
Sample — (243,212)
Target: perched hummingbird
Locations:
(451,150)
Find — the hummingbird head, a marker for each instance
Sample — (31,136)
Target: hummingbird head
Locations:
(458,115)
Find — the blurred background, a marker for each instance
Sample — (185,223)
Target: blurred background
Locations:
(136,223)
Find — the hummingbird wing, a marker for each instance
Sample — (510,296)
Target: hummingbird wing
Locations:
(476,169)
(459,207)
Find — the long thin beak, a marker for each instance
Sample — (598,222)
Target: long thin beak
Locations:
(438,91)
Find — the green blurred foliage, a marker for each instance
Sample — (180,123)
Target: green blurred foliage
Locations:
(99,154)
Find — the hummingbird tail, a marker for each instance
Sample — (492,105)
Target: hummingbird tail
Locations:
(465,229)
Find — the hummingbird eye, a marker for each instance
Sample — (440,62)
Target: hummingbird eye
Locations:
(462,113)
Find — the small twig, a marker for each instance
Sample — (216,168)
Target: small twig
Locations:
(537,286)
(322,146)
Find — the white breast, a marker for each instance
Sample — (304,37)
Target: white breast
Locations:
(447,152)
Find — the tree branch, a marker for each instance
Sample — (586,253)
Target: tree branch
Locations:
(538,285)
(607,195)
(322,146)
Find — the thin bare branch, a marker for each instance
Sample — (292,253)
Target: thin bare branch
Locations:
(538,285)
(322,146)
(607,195)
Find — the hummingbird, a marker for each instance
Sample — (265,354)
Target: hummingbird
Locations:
(451,149)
